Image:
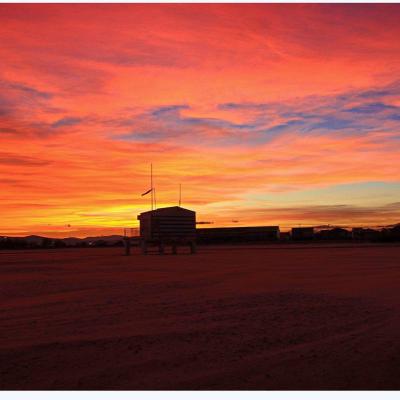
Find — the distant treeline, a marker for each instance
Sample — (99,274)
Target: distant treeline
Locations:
(47,243)
(222,236)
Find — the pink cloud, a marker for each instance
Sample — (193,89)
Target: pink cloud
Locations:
(233,101)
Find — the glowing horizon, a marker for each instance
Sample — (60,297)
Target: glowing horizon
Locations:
(267,114)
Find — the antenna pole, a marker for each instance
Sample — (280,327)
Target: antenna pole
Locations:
(151,186)
(180,194)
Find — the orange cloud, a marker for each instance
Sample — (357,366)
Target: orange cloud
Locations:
(239,103)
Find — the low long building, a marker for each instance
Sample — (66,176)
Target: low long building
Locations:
(333,234)
(302,233)
(238,234)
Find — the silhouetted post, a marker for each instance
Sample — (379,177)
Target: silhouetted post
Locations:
(127,244)
(144,247)
(193,248)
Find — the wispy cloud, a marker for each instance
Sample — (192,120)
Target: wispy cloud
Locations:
(67,121)
(237,102)
(347,113)
(17,160)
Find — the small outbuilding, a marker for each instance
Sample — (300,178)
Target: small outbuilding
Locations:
(168,225)
(302,233)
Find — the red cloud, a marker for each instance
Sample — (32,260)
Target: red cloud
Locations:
(309,94)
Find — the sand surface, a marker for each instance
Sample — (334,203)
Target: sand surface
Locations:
(225,318)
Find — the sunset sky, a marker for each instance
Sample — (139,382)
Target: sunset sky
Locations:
(266,114)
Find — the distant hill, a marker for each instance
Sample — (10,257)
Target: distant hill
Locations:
(72,241)
(34,239)
(110,238)
(39,241)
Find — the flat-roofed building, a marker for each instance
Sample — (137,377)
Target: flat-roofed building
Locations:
(168,225)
